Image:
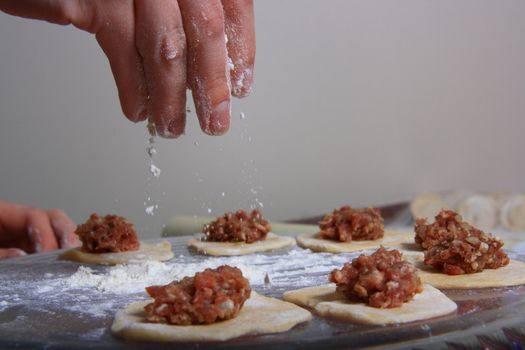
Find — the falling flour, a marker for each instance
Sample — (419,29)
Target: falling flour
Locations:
(154,170)
(149,206)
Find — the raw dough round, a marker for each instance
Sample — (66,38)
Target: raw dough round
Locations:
(427,206)
(271,242)
(512,274)
(454,198)
(480,211)
(259,315)
(512,213)
(327,303)
(390,239)
(160,252)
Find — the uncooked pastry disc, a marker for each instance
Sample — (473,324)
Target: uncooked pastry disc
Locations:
(390,239)
(259,315)
(512,274)
(271,242)
(427,206)
(327,303)
(160,252)
(480,211)
(512,213)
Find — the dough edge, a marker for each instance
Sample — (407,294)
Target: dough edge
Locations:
(512,274)
(259,315)
(159,252)
(271,242)
(391,239)
(326,303)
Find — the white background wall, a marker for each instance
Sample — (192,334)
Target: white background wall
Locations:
(359,102)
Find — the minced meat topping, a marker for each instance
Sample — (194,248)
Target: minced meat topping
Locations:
(456,247)
(108,234)
(210,296)
(347,224)
(382,280)
(237,227)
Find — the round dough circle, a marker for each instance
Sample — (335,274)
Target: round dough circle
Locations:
(512,213)
(160,252)
(271,242)
(427,206)
(259,315)
(480,211)
(512,274)
(327,303)
(390,239)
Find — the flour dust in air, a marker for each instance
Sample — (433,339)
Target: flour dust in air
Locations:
(249,171)
(151,205)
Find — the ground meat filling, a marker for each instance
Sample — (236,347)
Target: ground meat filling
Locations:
(382,280)
(347,224)
(237,227)
(456,248)
(210,296)
(108,234)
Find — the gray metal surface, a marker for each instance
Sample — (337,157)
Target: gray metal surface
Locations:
(56,319)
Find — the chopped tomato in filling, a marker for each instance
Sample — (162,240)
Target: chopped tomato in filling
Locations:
(238,227)
(347,224)
(456,247)
(382,280)
(210,296)
(108,234)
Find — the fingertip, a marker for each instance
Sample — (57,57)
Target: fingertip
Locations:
(15,252)
(136,113)
(142,113)
(70,241)
(171,128)
(219,122)
(64,228)
(242,83)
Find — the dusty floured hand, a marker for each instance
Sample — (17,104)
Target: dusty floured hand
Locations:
(159,48)
(25,230)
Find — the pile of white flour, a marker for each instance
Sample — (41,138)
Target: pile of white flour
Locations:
(133,278)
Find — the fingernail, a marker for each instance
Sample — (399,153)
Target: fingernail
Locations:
(68,238)
(137,114)
(142,114)
(243,85)
(15,252)
(177,125)
(220,118)
(70,241)
(173,126)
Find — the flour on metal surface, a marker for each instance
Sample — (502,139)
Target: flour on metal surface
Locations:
(99,291)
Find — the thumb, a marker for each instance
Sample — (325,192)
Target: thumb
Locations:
(55,11)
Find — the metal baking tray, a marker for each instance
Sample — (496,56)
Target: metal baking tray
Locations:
(35,317)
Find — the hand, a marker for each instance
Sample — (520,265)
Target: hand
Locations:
(27,230)
(158,48)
